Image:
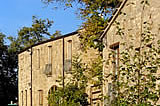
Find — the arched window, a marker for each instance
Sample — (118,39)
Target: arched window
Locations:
(52,89)
(51,95)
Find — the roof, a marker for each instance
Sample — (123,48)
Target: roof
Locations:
(113,18)
(49,40)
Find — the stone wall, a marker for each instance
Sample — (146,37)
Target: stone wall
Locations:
(46,53)
(130,22)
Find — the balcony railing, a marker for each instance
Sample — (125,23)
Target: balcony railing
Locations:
(48,69)
(67,65)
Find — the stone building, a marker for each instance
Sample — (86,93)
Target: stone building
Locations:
(42,64)
(128,22)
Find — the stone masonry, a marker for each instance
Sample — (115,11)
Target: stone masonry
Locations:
(130,18)
(47,66)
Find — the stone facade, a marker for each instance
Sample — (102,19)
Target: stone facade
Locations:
(47,66)
(129,19)
(50,53)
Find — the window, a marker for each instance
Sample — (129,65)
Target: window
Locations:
(69,50)
(49,54)
(48,66)
(48,70)
(115,49)
(52,89)
(51,93)
(30,91)
(26,97)
(68,61)
(38,57)
(112,92)
(40,97)
(22,97)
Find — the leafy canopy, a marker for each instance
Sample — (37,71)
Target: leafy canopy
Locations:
(38,32)
(8,73)
(28,36)
(95,14)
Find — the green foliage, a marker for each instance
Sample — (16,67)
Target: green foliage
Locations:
(73,93)
(93,28)
(8,73)
(95,73)
(72,96)
(34,34)
(2,36)
(28,36)
(56,34)
(78,72)
(137,81)
(95,14)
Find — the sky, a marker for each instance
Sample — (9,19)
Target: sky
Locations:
(15,14)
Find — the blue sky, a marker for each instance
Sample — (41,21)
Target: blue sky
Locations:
(14,14)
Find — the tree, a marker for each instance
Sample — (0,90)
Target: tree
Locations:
(95,14)
(73,93)
(2,36)
(28,36)
(56,34)
(8,74)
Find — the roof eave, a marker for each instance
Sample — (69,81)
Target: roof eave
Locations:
(49,40)
(113,19)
